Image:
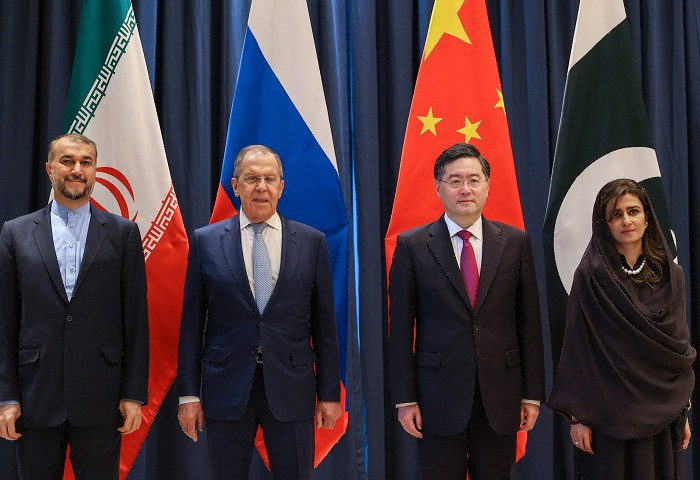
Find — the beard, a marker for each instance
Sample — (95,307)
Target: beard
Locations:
(60,186)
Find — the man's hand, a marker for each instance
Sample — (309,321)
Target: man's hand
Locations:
(686,434)
(8,416)
(131,411)
(327,413)
(582,436)
(191,415)
(410,419)
(528,415)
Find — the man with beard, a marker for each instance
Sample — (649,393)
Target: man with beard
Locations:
(74,323)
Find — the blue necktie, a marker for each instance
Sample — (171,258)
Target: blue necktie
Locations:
(262,273)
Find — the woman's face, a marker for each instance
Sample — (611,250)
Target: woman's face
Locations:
(627,222)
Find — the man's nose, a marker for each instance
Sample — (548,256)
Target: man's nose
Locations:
(77,169)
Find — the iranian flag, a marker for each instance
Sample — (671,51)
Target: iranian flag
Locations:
(110,101)
(604,134)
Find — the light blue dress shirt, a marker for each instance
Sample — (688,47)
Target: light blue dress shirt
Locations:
(69,229)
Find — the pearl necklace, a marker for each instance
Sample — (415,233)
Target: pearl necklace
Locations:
(636,270)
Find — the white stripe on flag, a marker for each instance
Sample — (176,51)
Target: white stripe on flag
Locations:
(595,19)
(283,32)
(127,132)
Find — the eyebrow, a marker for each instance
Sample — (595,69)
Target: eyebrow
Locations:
(457,175)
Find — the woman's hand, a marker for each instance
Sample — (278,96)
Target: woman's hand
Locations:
(582,436)
(686,435)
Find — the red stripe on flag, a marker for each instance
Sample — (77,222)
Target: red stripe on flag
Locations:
(165,273)
(223,208)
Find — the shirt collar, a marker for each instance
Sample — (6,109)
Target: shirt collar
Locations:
(476,228)
(274,221)
(61,211)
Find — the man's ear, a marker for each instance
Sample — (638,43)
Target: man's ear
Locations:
(234,185)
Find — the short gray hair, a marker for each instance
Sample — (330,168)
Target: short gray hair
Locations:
(257,149)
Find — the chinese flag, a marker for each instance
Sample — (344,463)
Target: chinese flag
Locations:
(457,98)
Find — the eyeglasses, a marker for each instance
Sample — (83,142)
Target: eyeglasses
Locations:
(456,183)
(255,179)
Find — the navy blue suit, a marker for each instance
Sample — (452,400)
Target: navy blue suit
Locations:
(72,360)
(221,327)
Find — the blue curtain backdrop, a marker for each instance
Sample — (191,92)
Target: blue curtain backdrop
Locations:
(369,53)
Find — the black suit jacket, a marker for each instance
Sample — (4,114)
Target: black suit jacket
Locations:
(500,343)
(221,327)
(72,359)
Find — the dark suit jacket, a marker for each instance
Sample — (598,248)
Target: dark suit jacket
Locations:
(501,341)
(72,359)
(221,327)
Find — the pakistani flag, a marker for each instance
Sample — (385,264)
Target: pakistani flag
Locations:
(110,101)
(604,134)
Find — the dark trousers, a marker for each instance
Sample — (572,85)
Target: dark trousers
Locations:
(290,445)
(94,452)
(490,456)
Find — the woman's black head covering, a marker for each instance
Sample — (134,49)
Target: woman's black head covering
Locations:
(625,367)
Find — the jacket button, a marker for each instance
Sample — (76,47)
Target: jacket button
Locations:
(476,327)
(69,318)
(471,360)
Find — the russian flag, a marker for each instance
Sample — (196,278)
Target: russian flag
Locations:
(279,102)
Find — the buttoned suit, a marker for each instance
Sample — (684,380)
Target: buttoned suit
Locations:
(497,344)
(72,360)
(221,327)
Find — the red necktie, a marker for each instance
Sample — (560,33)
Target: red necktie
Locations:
(470,272)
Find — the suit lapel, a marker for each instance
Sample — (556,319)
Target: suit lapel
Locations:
(440,244)
(288,263)
(233,251)
(95,236)
(44,242)
(491,252)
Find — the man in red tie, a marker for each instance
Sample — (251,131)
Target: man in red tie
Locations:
(467,286)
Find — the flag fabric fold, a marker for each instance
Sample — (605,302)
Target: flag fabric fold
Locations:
(279,102)
(457,98)
(604,134)
(110,101)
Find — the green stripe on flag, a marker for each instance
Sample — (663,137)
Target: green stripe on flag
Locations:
(105,31)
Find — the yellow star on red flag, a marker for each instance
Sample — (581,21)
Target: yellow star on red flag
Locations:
(500,103)
(469,130)
(445,20)
(429,121)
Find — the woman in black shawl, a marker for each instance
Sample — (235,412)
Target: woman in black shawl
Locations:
(624,377)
